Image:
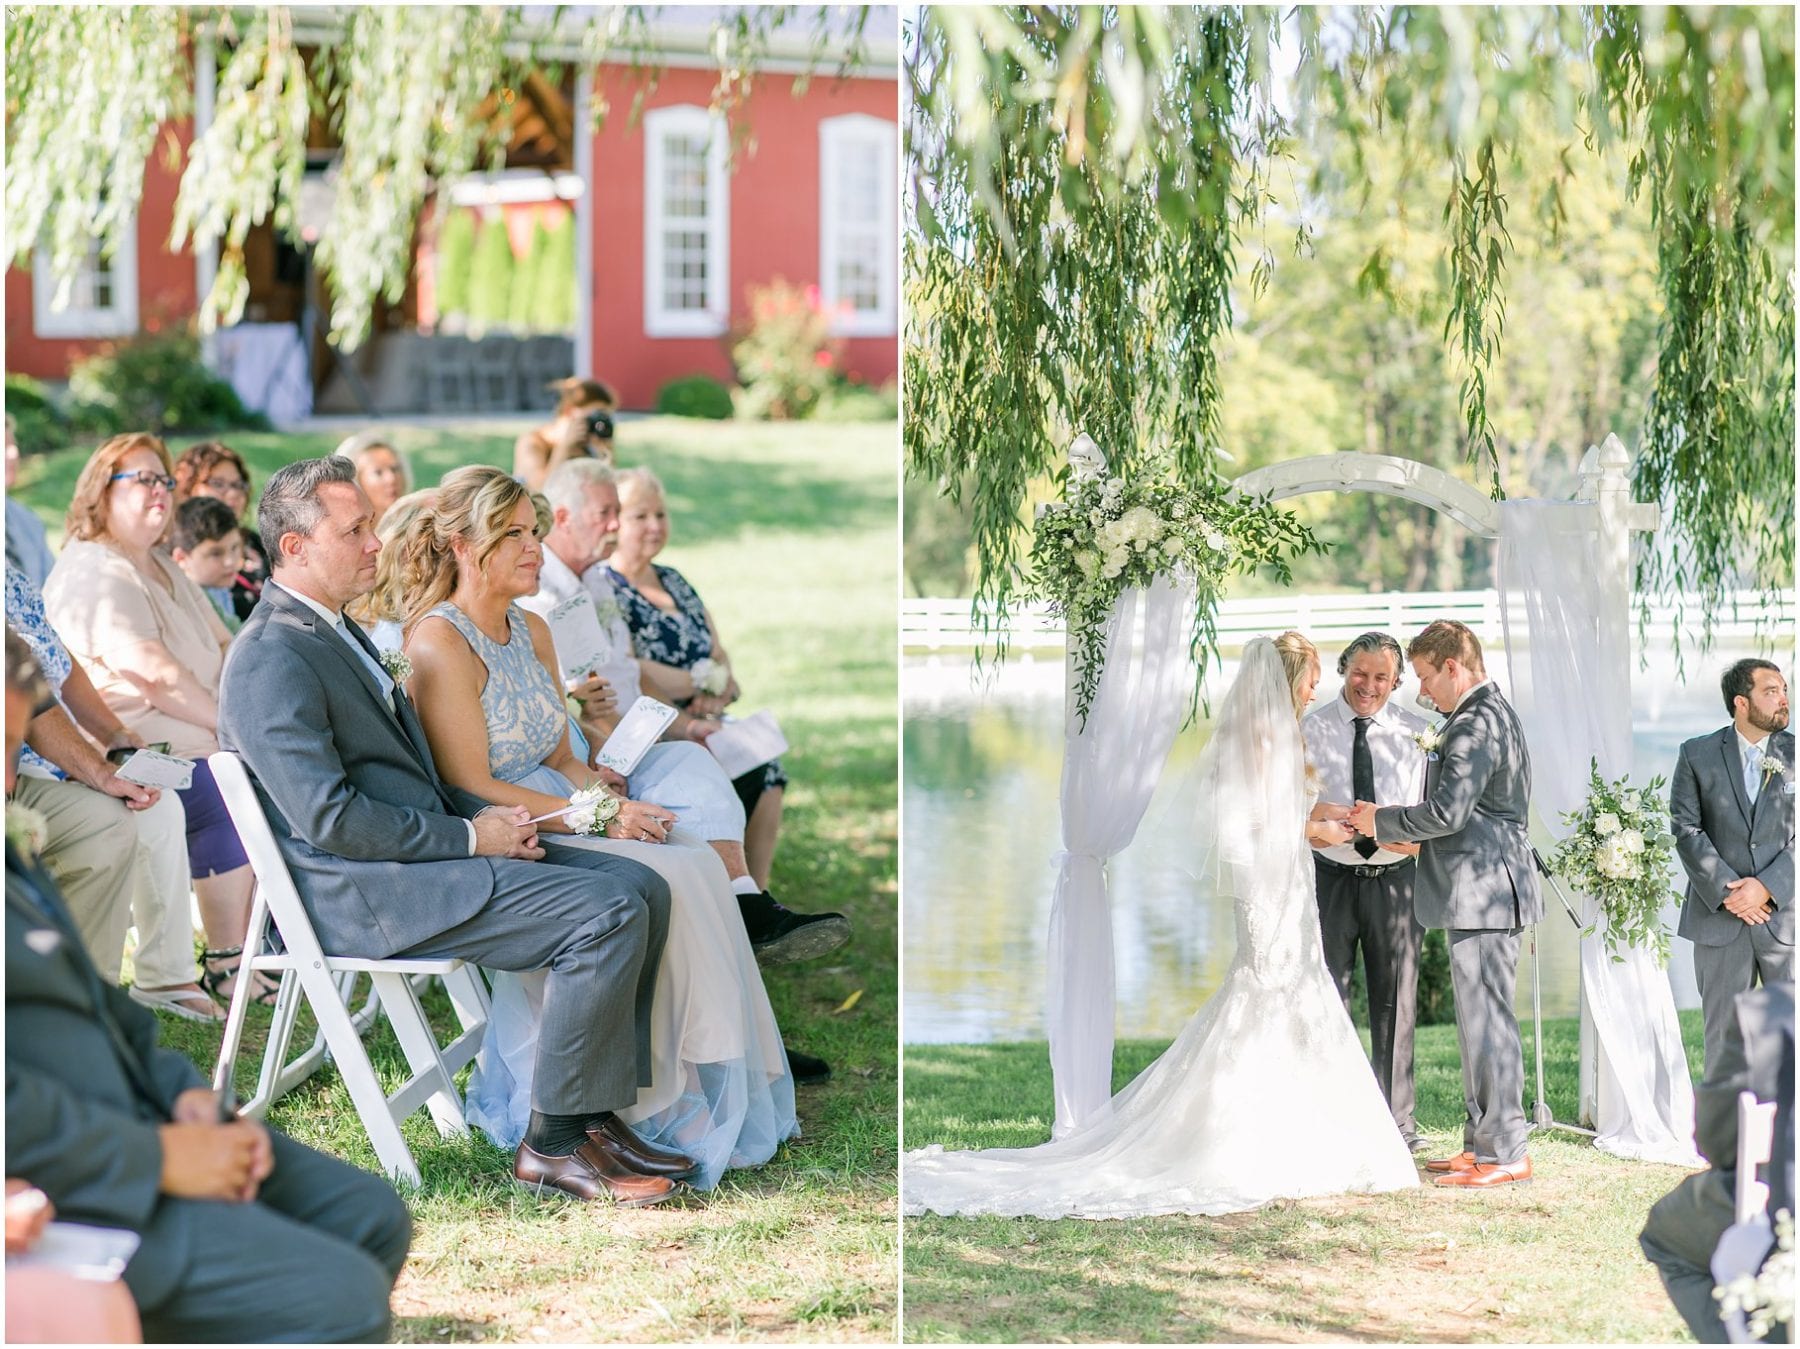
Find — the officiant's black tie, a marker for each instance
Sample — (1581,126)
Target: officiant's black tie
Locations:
(1362,781)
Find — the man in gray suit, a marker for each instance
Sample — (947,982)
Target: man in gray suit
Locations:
(1732,809)
(1476,881)
(390,861)
(243,1233)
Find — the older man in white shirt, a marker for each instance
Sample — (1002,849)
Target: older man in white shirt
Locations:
(1364,749)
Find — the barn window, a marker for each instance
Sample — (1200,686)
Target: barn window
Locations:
(859,223)
(686,253)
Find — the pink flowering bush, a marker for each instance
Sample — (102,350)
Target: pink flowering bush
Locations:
(786,357)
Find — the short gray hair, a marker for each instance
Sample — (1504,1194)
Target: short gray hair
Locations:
(355,447)
(290,499)
(1373,641)
(640,478)
(570,480)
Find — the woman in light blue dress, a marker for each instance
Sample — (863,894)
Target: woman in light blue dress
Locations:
(483,679)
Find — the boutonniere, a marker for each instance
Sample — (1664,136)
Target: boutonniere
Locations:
(26,829)
(608,611)
(1772,768)
(1430,739)
(398,665)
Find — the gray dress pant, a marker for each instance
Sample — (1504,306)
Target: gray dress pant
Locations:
(1484,964)
(311,1260)
(1722,972)
(1376,913)
(597,923)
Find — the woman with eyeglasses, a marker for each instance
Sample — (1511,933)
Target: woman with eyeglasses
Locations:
(213,469)
(153,645)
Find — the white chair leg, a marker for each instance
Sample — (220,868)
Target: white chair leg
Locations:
(339,1032)
(469,997)
(431,1078)
(272,1081)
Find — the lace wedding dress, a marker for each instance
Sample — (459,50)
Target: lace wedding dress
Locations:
(1266,1093)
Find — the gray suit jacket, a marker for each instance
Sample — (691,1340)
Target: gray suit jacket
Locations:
(1475,868)
(378,846)
(1721,837)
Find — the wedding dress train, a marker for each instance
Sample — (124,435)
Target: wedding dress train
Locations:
(1266,1093)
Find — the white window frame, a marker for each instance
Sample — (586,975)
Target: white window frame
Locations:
(660,125)
(860,135)
(119,319)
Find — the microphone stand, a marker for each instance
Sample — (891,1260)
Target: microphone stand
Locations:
(1541,1115)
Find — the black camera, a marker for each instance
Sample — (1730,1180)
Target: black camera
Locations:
(599,424)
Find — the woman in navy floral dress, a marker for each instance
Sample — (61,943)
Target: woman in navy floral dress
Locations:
(672,635)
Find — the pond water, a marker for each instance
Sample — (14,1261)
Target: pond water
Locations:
(983,765)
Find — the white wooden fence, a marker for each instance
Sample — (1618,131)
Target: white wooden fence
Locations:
(940,624)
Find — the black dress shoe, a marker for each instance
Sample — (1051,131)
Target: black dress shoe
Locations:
(808,1071)
(616,1136)
(591,1173)
(780,936)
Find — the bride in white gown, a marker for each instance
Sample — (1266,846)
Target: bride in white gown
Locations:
(1266,1093)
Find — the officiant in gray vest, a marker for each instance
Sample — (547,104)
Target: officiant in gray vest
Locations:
(1364,748)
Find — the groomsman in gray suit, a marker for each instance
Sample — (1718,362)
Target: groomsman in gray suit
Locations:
(391,861)
(1476,881)
(1732,808)
(1364,746)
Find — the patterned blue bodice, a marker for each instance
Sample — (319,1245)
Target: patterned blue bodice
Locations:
(521,703)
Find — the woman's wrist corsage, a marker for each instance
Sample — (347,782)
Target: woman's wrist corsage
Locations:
(602,808)
(711,677)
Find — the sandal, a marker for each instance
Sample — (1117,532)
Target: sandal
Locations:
(216,974)
(191,1004)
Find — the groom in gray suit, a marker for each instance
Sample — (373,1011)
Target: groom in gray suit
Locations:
(1476,881)
(1732,809)
(391,861)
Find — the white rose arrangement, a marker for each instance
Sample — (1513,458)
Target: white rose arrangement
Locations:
(1115,529)
(1620,853)
(1431,739)
(26,829)
(602,808)
(711,677)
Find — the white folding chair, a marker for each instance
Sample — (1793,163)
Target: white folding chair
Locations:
(1756,1143)
(327,984)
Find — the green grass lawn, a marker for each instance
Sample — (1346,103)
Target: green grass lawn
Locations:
(788,531)
(1553,1262)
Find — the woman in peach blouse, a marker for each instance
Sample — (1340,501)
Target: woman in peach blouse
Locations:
(154,645)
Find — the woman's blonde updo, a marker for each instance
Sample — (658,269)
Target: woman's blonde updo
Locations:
(386,601)
(474,504)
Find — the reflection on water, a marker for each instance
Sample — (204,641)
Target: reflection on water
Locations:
(983,769)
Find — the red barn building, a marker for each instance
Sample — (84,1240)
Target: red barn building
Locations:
(672,231)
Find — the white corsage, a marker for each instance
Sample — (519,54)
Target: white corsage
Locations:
(1772,768)
(26,829)
(602,809)
(711,677)
(397,663)
(1430,740)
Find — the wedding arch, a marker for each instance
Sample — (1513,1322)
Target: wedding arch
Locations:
(1565,584)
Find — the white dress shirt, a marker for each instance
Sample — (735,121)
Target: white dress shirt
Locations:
(1330,733)
(336,621)
(558,582)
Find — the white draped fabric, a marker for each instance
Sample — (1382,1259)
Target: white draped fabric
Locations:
(1110,770)
(1566,611)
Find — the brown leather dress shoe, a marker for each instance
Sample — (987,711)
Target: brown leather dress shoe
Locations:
(589,1173)
(1483,1175)
(616,1137)
(1461,1162)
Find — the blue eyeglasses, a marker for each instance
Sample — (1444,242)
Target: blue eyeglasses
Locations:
(146,479)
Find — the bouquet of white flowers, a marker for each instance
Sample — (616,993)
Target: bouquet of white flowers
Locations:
(1620,854)
(1109,534)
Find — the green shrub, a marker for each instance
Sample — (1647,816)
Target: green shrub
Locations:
(154,383)
(38,424)
(695,396)
(491,275)
(847,401)
(524,282)
(553,287)
(456,253)
(786,357)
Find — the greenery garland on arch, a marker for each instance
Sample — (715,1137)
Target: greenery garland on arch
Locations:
(1074,169)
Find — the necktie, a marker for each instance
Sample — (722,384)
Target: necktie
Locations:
(1362,781)
(1753,772)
